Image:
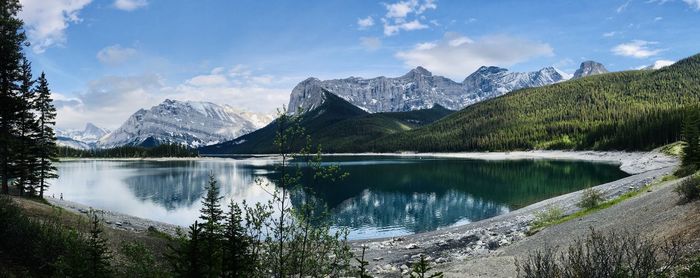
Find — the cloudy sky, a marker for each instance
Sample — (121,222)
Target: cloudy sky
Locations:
(105,59)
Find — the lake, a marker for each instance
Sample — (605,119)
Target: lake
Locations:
(382,196)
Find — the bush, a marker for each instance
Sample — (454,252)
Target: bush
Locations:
(139,262)
(689,189)
(686,170)
(58,251)
(608,254)
(692,270)
(590,198)
(545,218)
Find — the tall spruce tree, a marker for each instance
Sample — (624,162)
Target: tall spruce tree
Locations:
(98,254)
(212,234)
(27,128)
(12,39)
(237,260)
(46,138)
(691,136)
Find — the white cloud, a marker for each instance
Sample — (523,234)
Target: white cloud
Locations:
(456,56)
(108,101)
(636,49)
(130,5)
(393,29)
(658,18)
(365,23)
(622,7)
(610,34)
(695,4)
(397,17)
(115,54)
(111,100)
(47,21)
(209,80)
(370,43)
(399,9)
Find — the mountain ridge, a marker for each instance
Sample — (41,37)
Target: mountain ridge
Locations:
(189,123)
(419,89)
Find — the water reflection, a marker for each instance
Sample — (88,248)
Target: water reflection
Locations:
(381,197)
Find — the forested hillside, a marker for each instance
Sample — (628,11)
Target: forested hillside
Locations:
(336,125)
(632,110)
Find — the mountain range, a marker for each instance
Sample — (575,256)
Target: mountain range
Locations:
(420,89)
(630,110)
(381,100)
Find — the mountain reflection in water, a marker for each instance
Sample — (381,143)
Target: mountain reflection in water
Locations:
(382,196)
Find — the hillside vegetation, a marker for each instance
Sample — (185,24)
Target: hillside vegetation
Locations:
(631,110)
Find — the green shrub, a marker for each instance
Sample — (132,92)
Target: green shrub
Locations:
(58,251)
(608,254)
(139,262)
(546,217)
(692,270)
(686,170)
(689,189)
(590,198)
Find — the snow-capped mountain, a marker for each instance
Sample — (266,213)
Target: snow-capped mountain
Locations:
(489,82)
(589,68)
(81,139)
(189,123)
(419,89)
(658,65)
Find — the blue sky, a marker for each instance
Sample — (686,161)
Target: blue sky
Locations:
(105,59)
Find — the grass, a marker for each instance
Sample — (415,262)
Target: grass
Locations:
(544,223)
(673,149)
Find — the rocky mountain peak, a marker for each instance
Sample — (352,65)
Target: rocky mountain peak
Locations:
(589,68)
(422,71)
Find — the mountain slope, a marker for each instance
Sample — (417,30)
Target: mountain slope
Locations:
(623,110)
(336,125)
(419,89)
(81,139)
(187,123)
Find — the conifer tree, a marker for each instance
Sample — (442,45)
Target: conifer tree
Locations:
(237,258)
(11,43)
(27,128)
(691,136)
(46,138)
(212,236)
(98,254)
(186,256)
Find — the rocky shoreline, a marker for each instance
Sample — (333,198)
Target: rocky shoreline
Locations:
(392,257)
(117,220)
